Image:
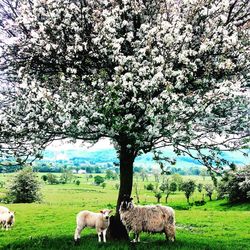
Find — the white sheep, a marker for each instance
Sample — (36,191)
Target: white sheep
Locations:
(7,219)
(3,209)
(100,221)
(153,219)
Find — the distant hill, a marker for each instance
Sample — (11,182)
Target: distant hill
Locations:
(80,157)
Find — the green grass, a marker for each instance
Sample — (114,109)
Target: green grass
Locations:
(51,224)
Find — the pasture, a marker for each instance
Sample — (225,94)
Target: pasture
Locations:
(51,223)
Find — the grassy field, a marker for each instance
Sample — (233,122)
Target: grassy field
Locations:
(51,223)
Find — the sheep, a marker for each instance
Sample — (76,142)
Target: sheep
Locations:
(7,219)
(152,219)
(3,209)
(100,221)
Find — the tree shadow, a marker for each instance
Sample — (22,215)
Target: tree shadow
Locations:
(89,242)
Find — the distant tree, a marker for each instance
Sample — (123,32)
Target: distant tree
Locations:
(204,173)
(77,182)
(209,190)
(158,195)
(157,175)
(44,177)
(188,187)
(194,171)
(98,179)
(143,175)
(236,185)
(173,187)
(98,170)
(103,185)
(168,187)
(52,179)
(89,170)
(164,187)
(110,175)
(66,177)
(137,169)
(177,178)
(137,191)
(150,186)
(24,187)
(200,188)
(89,176)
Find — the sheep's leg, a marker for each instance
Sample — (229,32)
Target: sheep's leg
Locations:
(99,236)
(134,236)
(170,232)
(104,235)
(78,231)
(137,238)
(5,225)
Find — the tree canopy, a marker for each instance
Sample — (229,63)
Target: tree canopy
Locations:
(145,74)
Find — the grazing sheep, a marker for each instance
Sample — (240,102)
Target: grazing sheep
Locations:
(100,221)
(152,219)
(7,219)
(3,209)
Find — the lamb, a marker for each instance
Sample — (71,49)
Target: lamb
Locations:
(7,219)
(3,209)
(100,221)
(152,219)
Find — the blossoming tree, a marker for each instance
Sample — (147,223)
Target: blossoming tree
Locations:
(144,73)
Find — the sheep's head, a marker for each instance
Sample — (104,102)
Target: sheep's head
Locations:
(105,213)
(126,203)
(11,214)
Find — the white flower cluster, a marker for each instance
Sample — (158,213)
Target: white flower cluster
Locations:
(139,72)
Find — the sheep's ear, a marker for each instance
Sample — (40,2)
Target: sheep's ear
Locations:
(110,211)
(101,211)
(130,199)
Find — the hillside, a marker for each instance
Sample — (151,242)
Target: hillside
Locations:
(78,157)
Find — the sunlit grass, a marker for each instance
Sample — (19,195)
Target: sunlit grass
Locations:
(51,224)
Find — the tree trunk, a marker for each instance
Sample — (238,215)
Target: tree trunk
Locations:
(116,230)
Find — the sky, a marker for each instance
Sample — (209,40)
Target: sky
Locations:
(65,145)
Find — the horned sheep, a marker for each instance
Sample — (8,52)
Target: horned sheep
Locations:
(152,219)
(100,221)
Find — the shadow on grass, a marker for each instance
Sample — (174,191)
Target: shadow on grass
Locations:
(241,206)
(181,207)
(89,242)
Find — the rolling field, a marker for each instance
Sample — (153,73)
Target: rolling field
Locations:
(51,223)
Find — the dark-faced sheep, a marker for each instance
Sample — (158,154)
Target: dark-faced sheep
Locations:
(152,219)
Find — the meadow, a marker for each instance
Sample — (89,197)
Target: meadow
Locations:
(51,223)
